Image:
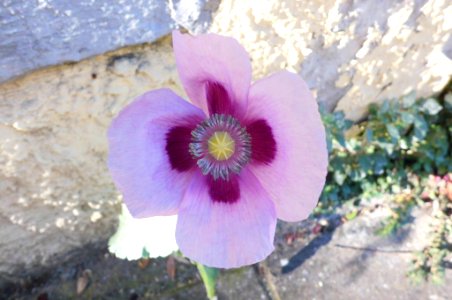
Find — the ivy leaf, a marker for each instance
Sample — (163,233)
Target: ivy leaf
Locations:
(448,100)
(421,127)
(341,140)
(403,144)
(348,124)
(431,106)
(339,177)
(393,132)
(385,107)
(407,118)
(380,164)
(145,253)
(209,277)
(364,163)
(351,215)
(409,100)
(369,135)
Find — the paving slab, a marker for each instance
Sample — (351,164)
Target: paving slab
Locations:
(315,259)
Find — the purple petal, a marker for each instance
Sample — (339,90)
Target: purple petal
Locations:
(138,160)
(226,235)
(212,59)
(263,143)
(295,178)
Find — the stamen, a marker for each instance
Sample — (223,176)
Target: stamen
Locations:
(221,146)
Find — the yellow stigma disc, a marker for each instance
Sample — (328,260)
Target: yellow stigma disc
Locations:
(221,145)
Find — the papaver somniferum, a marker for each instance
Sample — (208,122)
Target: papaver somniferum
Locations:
(229,163)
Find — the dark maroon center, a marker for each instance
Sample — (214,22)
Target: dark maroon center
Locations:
(226,191)
(263,144)
(178,139)
(218,99)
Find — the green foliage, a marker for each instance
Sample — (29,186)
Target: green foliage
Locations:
(394,151)
(429,263)
(351,215)
(209,277)
(397,139)
(400,214)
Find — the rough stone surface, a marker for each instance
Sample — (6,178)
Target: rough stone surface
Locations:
(56,193)
(351,53)
(35,34)
(351,261)
(344,262)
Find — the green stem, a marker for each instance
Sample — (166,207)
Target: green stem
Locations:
(209,277)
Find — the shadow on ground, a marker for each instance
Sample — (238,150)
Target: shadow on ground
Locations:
(312,247)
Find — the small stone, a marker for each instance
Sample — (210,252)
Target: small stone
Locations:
(95,216)
(59,222)
(323,222)
(284,262)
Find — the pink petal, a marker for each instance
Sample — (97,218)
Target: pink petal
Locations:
(295,178)
(223,234)
(138,160)
(213,59)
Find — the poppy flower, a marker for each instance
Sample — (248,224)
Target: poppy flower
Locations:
(228,164)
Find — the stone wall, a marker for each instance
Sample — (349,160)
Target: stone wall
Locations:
(37,34)
(56,194)
(351,53)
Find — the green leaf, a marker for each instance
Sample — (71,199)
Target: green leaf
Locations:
(373,109)
(341,140)
(338,115)
(403,144)
(348,124)
(384,107)
(448,100)
(421,127)
(145,253)
(369,135)
(380,163)
(365,163)
(407,118)
(431,106)
(329,143)
(351,215)
(409,100)
(393,132)
(339,177)
(209,277)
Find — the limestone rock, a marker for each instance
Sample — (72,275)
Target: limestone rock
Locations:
(56,193)
(35,34)
(351,53)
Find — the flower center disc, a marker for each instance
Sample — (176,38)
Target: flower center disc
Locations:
(221,145)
